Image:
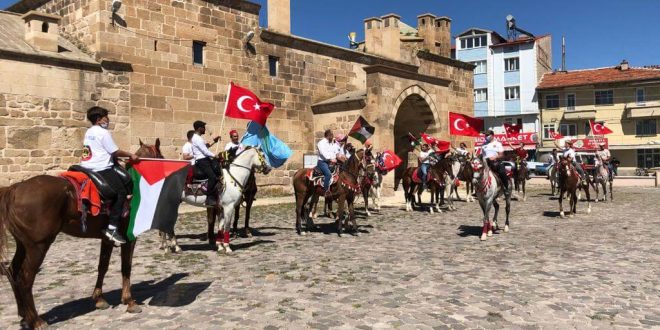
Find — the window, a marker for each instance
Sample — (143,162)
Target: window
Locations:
(369,25)
(474,42)
(511,64)
(547,128)
(568,129)
(647,158)
(519,123)
(570,102)
(480,67)
(480,95)
(273,64)
(512,93)
(604,97)
(552,101)
(198,52)
(44,27)
(639,96)
(646,127)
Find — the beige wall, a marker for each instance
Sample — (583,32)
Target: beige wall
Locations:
(42,115)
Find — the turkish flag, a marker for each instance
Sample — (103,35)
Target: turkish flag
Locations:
(243,104)
(440,144)
(599,128)
(556,135)
(465,125)
(388,161)
(512,129)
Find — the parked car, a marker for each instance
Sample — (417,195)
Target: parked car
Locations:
(542,169)
(532,166)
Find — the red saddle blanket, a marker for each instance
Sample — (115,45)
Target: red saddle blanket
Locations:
(86,191)
(417,176)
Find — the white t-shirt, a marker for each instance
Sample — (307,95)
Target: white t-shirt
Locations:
(462,152)
(569,152)
(492,149)
(231,145)
(98,149)
(199,148)
(604,154)
(327,150)
(188,149)
(425,154)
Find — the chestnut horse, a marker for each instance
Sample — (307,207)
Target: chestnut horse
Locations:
(35,211)
(569,183)
(343,191)
(520,179)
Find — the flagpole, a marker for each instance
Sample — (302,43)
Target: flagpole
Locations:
(224,114)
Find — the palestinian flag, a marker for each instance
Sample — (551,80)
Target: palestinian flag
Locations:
(361,130)
(414,142)
(157,188)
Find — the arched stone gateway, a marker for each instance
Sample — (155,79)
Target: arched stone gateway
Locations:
(414,112)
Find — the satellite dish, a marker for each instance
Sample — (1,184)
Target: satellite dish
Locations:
(249,36)
(510,21)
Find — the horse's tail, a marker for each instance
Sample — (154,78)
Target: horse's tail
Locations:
(4,221)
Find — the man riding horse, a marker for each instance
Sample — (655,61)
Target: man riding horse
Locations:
(520,158)
(493,152)
(99,154)
(569,153)
(327,153)
(206,162)
(605,156)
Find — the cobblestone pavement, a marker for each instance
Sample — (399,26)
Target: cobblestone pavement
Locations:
(405,270)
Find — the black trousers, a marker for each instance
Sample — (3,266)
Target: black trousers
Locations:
(112,178)
(211,172)
(498,167)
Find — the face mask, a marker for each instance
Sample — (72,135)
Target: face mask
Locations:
(104,125)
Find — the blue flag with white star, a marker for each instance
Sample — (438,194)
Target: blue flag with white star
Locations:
(276,151)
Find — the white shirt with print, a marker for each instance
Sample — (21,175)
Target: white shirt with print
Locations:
(492,149)
(98,149)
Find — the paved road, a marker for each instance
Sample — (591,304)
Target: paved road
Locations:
(405,270)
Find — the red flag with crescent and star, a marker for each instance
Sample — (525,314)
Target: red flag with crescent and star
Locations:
(512,129)
(243,104)
(389,161)
(556,135)
(465,125)
(599,128)
(441,145)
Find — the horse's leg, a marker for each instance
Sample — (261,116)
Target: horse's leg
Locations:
(524,183)
(588,201)
(237,214)
(365,195)
(126,266)
(485,208)
(340,212)
(352,218)
(300,208)
(211,214)
(163,240)
(611,191)
(248,208)
(104,262)
(493,224)
(226,227)
(561,202)
(34,256)
(174,245)
(13,276)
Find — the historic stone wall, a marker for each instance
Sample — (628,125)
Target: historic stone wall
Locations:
(42,115)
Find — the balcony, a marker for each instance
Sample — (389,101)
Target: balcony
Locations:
(580,115)
(643,110)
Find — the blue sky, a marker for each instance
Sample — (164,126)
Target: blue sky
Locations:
(598,32)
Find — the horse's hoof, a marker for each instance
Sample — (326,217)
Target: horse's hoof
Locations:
(562,215)
(102,304)
(220,249)
(368,214)
(430,210)
(133,308)
(589,209)
(38,324)
(506,228)
(228,249)
(571,215)
(483,237)
(490,233)
(177,249)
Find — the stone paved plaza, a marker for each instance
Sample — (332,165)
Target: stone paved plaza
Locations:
(405,270)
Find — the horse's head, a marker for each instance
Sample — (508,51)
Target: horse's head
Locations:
(149,150)
(259,161)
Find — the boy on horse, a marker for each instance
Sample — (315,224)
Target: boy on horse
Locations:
(520,155)
(99,154)
(493,152)
(186,150)
(605,157)
(205,161)
(425,163)
(327,152)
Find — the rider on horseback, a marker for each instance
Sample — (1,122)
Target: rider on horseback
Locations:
(327,152)
(462,151)
(233,147)
(493,152)
(605,157)
(520,157)
(569,153)
(554,159)
(186,150)
(98,156)
(205,161)
(425,163)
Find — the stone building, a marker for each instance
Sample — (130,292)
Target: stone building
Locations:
(158,65)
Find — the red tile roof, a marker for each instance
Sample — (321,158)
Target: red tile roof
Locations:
(596,76)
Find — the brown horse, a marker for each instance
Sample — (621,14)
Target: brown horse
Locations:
(35,211)
(466,175)
(520,179)
(412,188)
(343,191)
(569,183)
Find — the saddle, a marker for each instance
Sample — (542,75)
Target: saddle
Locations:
(106,192)
(417,176)
(316,176)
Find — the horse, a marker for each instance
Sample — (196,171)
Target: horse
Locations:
(488,188)
(35,211)
(552,175)
(449,168)
(371,183)
(520,179)
(307,193)
(465,174)
(569,182)
(235,179)
(411,188)
(249,196)
(602,176)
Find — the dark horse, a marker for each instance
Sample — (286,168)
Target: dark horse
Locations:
(520,179)
(569,183)
(411,188)
(35,211)
(343,191)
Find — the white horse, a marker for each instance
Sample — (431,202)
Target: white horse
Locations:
(374,191)
(487,187)
(451,180)
(235,177)
(602,177)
